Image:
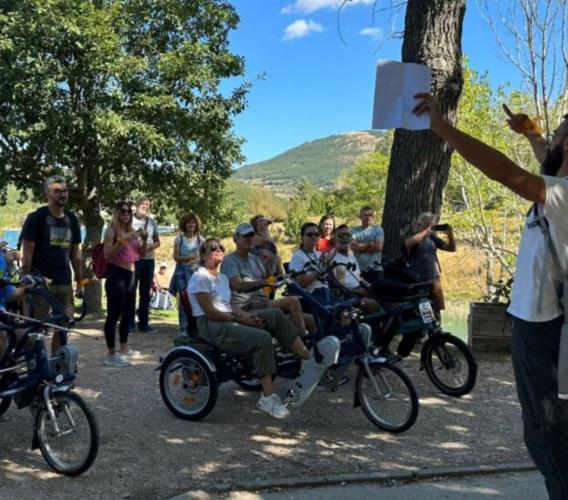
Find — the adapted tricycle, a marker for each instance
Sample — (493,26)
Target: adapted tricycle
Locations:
(65,429)
(190,374)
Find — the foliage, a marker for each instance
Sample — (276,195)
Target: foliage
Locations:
(307,202)
(119,96)
(484,212)
(501,292)
(17,206)
(363,184)
(318,161)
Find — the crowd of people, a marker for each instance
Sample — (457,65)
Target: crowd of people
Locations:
(233,312)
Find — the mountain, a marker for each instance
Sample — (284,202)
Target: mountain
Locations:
(318,161)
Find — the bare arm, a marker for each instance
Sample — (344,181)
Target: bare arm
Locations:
(517,122)
(241,286)
(28,253)
(415,239)
(450,245)
(237,315)
(206,303)
(156,243)
(111,245)
(77,264)
(488,160)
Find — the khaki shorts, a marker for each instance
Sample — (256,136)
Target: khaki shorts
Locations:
(62,293)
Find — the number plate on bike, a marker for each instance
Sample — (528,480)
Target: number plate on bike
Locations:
(426,311)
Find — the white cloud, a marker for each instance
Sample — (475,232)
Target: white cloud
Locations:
(309,6)
(376,33)
(301,28)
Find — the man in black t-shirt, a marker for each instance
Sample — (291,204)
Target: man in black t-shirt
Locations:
(51,242)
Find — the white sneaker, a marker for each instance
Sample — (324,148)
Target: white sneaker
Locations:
(116,360)
(131,353)
(273,406)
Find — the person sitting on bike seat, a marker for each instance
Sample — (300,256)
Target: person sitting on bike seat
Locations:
(247,272)
(349,277)
(229,327)
(302,258)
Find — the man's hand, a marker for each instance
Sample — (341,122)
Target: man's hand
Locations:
(251,320)
(428,104)
(522,123)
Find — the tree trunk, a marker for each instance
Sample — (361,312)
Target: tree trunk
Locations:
(94,228)
(420,160)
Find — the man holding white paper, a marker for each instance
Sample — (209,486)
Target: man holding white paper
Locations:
(535,305)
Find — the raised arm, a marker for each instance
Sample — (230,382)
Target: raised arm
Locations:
(488,160)
(518,123)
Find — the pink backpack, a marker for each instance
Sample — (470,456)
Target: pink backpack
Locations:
(100,265)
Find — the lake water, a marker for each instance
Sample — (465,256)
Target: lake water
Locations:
(11,235)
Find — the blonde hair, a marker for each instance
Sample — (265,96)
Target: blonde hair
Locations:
(115,222)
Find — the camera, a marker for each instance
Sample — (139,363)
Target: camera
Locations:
(441,227)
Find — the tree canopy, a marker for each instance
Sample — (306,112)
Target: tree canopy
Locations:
(120,96)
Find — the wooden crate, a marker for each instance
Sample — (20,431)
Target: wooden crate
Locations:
(489,328)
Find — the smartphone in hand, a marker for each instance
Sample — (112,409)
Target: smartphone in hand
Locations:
(441,227)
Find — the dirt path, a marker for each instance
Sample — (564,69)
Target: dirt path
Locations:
(146,453)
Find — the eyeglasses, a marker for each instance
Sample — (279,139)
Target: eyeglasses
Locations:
(343,236)
(215,248)
(311,235)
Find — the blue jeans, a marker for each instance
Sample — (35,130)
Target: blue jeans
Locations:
(144,279)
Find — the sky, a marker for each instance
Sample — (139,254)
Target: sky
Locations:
(313,70)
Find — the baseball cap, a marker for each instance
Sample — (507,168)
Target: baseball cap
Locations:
(244,229)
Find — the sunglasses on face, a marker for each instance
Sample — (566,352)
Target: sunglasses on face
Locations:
(311,235)
(216,248)
(344,236)
(125,211)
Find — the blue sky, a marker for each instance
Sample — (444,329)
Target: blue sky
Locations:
(314,84)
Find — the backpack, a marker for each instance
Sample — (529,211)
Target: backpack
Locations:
(100,265)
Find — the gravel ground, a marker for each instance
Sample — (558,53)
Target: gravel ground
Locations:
(147,453)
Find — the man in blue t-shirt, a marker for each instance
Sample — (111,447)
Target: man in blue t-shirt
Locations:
(368,239)
(51,245)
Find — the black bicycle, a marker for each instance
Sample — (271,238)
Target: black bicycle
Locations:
(407,312)
(65,429)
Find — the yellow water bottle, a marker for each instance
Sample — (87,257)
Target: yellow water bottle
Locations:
(270,282)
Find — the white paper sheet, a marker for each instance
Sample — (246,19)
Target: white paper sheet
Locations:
(395,87)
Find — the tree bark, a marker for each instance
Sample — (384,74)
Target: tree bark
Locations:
(420,160)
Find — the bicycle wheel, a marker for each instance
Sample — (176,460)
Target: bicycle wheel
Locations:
(388,398)
(449,363)
(72,447)
(4,405)
(188,387)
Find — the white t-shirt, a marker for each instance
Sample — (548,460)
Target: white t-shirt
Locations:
(351,279)
(202,281)
(534,261)
(299,260)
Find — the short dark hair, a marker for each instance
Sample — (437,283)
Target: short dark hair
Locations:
(53,179)
(365,208)
(185,218)
(340,227)
(304,228)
